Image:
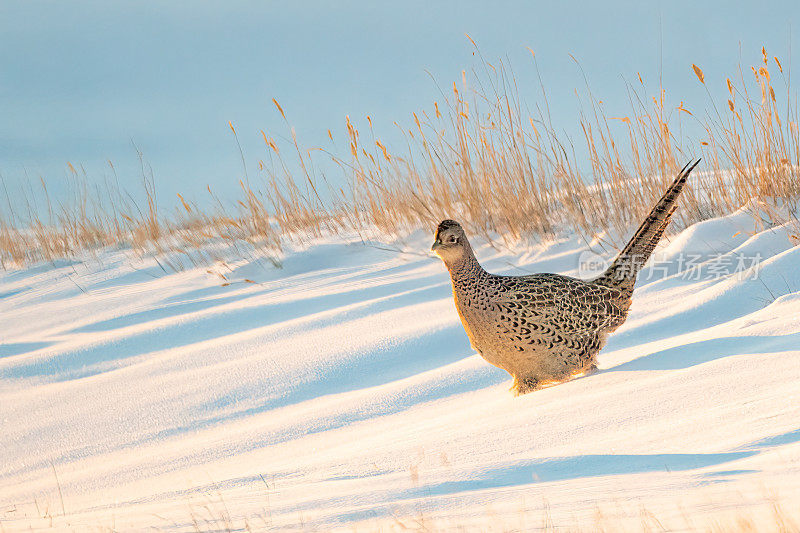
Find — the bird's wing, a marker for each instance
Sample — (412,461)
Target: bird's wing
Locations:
(571,306)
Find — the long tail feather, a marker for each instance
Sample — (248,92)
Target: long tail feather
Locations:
(624,269)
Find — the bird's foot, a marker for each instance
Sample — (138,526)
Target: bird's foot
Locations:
(583,372)
(524,385)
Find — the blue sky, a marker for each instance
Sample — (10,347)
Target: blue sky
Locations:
(82,81)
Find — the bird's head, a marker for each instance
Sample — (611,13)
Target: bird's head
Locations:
(450,242)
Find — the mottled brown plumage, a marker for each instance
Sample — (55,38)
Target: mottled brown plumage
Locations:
(546,328)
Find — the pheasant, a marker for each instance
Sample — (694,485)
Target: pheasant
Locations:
(548,328)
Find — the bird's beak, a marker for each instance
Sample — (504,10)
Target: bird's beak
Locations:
(435,245)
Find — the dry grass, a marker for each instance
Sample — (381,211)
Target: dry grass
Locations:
(479,155)
(209,511)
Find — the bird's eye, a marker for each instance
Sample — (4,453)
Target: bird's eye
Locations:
(452,239)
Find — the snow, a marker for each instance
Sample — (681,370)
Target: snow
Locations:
(340,391)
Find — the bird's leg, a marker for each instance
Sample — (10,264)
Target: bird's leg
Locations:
(524,385)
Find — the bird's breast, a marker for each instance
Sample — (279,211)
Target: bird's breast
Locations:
(477,316)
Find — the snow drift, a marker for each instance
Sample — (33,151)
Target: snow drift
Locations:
(340,391)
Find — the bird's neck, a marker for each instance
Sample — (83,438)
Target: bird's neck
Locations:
(465,269)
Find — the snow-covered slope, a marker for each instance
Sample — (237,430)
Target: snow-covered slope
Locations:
(341,391)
